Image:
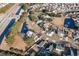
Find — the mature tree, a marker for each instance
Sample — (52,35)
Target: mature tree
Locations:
(23,16)
(25,7)
(33,17)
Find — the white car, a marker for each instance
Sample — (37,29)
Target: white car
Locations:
(51,33)
(29,33)
(62,33)
(59,50)
(36,38)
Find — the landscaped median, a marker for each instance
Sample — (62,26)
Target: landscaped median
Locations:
(13,32)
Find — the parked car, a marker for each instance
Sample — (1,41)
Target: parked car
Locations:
(59,47)
(52,31)
(62,33)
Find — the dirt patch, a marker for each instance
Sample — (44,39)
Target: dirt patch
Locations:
(35,27)
(58,21)
(19,43)
(4,45)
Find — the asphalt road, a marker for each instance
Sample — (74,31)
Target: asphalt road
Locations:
(8,16)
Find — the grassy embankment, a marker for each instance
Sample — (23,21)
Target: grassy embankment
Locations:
(15,27)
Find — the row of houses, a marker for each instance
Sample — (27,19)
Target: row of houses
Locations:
(57,7)
(69,22)
(44,47)
(50,48)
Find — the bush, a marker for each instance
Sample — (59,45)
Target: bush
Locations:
(25,7)
(29,41)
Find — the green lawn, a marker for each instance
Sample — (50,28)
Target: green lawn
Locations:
(5,8)
(9,39)
(30,41)
(26,6)
(13,32)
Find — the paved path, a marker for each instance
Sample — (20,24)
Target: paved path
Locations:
(4,22)
(7,17)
